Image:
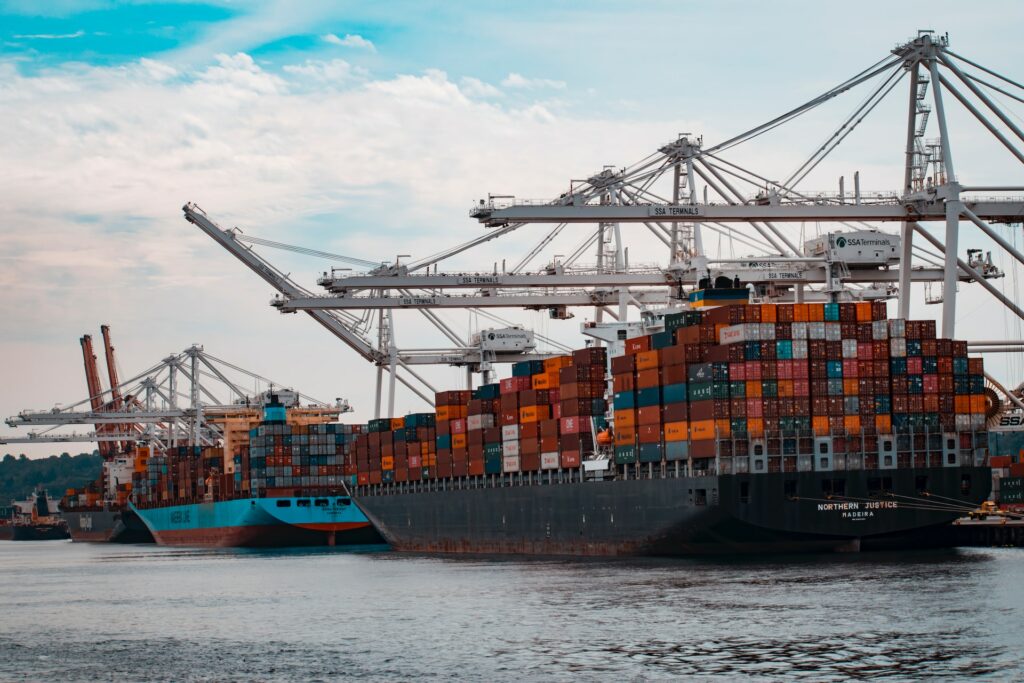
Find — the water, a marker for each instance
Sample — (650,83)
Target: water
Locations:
(85,612)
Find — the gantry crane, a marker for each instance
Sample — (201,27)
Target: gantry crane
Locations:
(660,193)
(351,330)
(166,416)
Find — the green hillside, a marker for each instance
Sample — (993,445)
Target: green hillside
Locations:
(19,475)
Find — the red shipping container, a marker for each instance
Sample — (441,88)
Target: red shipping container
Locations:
(623,365)
(649,433)
(574,425)
(570,459)
(753,371)
(737,372)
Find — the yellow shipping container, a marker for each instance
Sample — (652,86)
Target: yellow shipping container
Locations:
(458,440)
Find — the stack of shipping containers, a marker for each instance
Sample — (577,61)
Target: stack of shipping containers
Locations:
(718,382)
(712,383)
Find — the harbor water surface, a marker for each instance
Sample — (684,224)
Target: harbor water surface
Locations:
(80,612)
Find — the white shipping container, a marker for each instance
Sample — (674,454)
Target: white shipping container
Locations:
(799,348)
(734,334)
(767,332)
(963,423)
(510,448)
(849,348)
(880,329)
(510,433)
(898,327)
(898,348)
(549,461)
(833,332)
(815,330)
(799,330)
(476,422)
(510,463)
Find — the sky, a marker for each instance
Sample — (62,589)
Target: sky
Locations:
(369,129)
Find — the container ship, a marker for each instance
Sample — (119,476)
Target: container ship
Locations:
(38,519)
(282,486)
(99,512)
(734,429)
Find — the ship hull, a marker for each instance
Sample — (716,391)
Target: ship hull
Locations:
(260,522)
(107,526)
(40,532)
(729,514)
(6,532)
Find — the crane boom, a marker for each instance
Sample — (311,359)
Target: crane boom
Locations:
(280,282)
(116,399)
(95,388)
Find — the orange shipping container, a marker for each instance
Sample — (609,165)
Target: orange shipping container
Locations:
(883,424)
(799,313)
(387,462)
(459,441)
(816,313)
(754,388)
(625,418)
(557,363)
(852,424)
(755,426)
(962,405)
(540,381)
(646,360)
(397,423)
(863,312)
(676,431)
(724,428)
(850,387)
(768,313)
(625,436)
(534,413)
(820,425)
(702,429)
(977,404)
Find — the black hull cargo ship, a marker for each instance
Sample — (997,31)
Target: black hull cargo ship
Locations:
(729,514)
(736,429)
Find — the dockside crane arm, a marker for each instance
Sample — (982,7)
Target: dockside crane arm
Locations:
(281,282)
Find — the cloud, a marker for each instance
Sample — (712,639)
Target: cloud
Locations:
(474,87)
(99,160)
(51,36)
(514,80)
(335,71)
(350,40)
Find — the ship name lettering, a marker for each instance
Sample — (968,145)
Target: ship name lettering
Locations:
(675,210)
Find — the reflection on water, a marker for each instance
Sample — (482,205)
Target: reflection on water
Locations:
(82,612)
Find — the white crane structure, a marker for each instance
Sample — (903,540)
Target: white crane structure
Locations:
(181,401)
(661,196)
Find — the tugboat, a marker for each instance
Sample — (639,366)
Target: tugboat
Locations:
(38,519)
